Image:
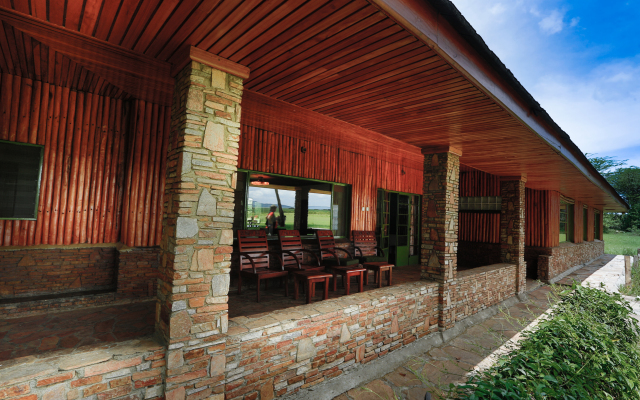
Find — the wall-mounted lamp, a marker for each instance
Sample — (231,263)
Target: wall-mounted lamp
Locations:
(303,149)
(260,182)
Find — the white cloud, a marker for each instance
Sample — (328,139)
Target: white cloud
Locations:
(497,9)
(552,23)
(597,103)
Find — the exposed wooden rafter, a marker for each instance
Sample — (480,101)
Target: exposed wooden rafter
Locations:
(141,76)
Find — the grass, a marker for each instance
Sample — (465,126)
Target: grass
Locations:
(586,349)
(318,219)
(621,243)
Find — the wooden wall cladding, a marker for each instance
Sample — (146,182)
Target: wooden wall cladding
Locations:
(86,165)
(542,218)
(145,178)
(271,152)
(478,227)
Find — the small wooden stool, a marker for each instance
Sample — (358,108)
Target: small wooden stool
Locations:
(347,272)
(310,278)
(378,268)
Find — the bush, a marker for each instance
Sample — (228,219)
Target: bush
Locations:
(586,349)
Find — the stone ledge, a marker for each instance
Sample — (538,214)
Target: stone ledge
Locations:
(484,269)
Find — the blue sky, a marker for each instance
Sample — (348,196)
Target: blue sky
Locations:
(580,59)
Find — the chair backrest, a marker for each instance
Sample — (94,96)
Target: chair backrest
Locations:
(253,243)
(290,241)
(325,242)
(365,241)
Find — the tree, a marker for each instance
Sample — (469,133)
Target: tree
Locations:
(626,181)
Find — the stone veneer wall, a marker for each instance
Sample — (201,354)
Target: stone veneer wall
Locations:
(38,271)
(483,287)
(553,261)
(477,254)
(138,271)
(132,370)
(295,348)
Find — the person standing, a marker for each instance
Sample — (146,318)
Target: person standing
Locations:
(272,221)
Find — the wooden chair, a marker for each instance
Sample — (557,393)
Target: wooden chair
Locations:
(254,260)
(292,253)
(372,256)
(365,243)
(328,251)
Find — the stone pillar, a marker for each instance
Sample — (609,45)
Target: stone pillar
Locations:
(512,220)
(439,247)
(197,236)
(301,217)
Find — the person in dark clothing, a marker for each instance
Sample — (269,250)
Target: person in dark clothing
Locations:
(272,221)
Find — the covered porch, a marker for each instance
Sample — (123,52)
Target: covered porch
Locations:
(160,122)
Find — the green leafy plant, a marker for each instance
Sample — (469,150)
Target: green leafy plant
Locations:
(586,349)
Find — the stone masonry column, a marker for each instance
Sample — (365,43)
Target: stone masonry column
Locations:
(512,220)
(197,237)
(439,247)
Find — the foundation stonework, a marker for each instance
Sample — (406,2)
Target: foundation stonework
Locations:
(512,220)
(553,261)
(439,238)
(483,287)
(197,229)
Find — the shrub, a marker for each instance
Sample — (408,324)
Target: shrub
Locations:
(586,349)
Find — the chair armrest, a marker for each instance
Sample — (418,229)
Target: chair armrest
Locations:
(357,249)
(278,256)
(381,251)
(346,251)
(333,253)
(253,264)
(295,257)
(313,254)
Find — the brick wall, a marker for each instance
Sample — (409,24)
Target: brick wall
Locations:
(35,271)
(138,271)
(483,287)
(552,261)
(477,254)
(299,347)
(133,369)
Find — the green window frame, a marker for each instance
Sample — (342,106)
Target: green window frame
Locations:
(20,178)
(566,221)
(338,212)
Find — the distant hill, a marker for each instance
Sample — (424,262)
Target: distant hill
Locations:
(319,208)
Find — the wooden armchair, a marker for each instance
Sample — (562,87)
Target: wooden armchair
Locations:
(329,251)
(254,260)
(292,253)
(365,247)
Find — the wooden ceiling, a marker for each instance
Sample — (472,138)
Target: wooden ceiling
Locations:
(342,58)
(26,57)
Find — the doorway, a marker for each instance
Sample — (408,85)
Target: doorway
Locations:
(398,227)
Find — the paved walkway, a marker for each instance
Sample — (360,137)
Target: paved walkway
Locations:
(434,370)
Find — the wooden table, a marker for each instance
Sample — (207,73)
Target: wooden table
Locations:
(310,278)
(347,272)
(378,268)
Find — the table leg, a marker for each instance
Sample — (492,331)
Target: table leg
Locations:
(346,277)
(326,289)
(379,277)
(360,281)
(309,289)
(390,270)
(335,281)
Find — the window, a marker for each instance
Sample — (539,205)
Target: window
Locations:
(585,224)
(20,166)
(306,205)
(566,222)
(484,203)
(596,225)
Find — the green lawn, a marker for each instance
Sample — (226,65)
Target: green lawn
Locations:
(621,243)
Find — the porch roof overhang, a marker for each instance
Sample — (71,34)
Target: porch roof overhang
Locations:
(412,70)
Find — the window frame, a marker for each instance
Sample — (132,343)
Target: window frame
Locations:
(333,184)
(570,223)
(39,185)
(596,224)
